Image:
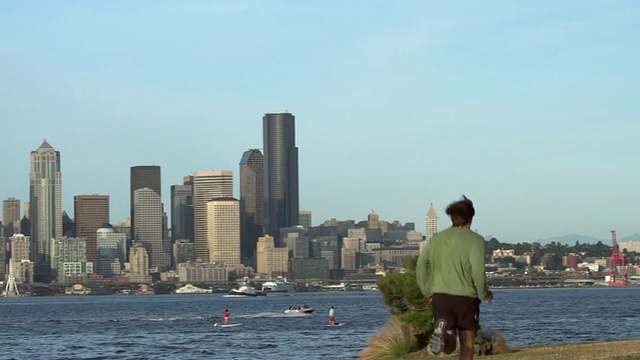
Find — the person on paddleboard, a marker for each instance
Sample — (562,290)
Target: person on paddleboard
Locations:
(332,316)
(450,273)
(226,316)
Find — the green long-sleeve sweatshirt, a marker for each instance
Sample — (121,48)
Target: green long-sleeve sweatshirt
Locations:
(452,263)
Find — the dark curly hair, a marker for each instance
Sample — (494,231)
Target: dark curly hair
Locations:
(461,212)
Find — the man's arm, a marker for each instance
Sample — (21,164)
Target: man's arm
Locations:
(423,270)
(476,259)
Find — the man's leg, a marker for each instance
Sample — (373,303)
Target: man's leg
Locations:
(467,338)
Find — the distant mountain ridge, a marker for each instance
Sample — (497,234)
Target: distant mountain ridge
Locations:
(585,239)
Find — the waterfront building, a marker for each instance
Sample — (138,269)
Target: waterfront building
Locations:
(431,222)
(202,272)
(45,199)
(223,231)
(148,228)
(280,168)
(182,210)
(90,212)
(271,260)
(69,260)
(143,176)
(394,256)
(306,269)
(207,185)
(251,217)
(112,252)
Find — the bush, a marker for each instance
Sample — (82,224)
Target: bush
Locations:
(406,301)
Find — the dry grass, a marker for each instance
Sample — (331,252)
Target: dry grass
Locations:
(393,342)
(617,350)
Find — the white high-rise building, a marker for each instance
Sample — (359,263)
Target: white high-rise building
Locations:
(45,199)
(147,209)
(431,222)
(207,185)
(223,231)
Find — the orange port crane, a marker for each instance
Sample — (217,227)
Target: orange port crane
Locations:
(618,265)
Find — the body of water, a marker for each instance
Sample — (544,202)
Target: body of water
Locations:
(182,326)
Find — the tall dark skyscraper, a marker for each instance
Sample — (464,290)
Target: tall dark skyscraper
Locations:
(280,173)
(182,210)
(90,213)
(143,177)
(250,204)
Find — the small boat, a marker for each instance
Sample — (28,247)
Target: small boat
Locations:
(304,309)
(190,289)
(245,290)
(278,286)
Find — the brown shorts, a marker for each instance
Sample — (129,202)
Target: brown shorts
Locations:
(460,312)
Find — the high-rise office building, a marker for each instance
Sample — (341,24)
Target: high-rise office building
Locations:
(147,209)
(271,260)
(280,173)
(182,210)
(305,219)
(10,216)
(139,263)
(207,185)
(223,231)
(250,204)
(111,250)
(90,213)
(45,199)
(431,222)
(69,259)
(144,176)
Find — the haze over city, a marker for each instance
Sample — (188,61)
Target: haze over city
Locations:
(529,109)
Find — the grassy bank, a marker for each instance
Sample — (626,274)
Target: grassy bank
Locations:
(615,350)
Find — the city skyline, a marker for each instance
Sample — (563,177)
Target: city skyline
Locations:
(526,108)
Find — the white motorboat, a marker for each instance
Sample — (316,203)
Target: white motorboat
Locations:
(278,286)
(245,290)
(190,289)
(304,309)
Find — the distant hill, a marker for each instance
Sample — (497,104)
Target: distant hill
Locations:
(572,238)
(634,237)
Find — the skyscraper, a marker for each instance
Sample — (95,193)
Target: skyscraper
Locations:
(90,212)
(250,204)
(111,248)
(45,198)
(207,185)
(431,222)
(182,210)
(280,173)
(10,217)
(305,219)
(223,231)
(145,176)
(147,208)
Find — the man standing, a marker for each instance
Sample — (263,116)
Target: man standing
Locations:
(450,272)
(332,316)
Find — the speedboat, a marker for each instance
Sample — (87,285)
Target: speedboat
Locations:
(245,290)
(304,309)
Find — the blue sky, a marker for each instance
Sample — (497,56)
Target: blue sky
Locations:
(529,108)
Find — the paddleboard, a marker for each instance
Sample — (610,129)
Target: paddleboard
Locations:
(339,324)
(229,325)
